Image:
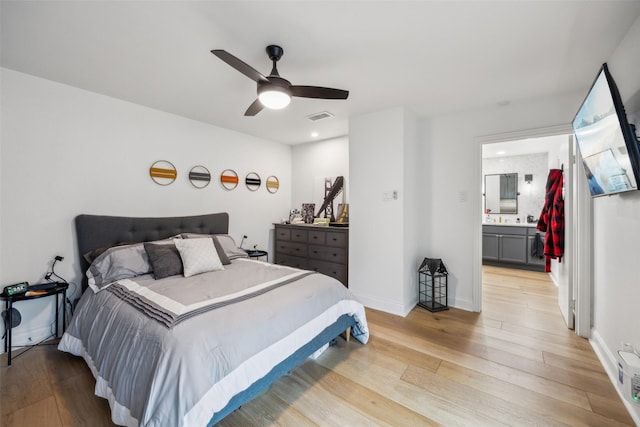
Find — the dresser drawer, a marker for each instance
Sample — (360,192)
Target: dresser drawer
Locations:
(292,261)
(327,253)
(283,234)
(321,249)
(299,235)
(331,269)
(317,237)
(336,239)
(291,248)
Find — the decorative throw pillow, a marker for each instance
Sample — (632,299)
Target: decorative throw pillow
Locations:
(165,260)
(198,256)
(223,256)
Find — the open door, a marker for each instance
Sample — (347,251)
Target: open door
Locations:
(562,272)
(582,248)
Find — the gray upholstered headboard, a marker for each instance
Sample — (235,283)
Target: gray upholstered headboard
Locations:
(97,231)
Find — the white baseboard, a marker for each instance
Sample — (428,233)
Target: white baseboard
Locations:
(610,363)
(383,304)
(395,307)
(29,337)
(32,336)
(463,304)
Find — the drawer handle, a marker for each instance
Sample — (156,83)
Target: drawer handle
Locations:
(315,252)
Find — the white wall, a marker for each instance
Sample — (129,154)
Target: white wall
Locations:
(382,249)
(67,151)
(616,237)
(315,160)
(413,253)
(454,183)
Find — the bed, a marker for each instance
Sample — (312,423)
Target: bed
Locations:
(187,351)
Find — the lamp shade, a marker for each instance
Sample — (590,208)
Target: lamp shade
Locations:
(274,97)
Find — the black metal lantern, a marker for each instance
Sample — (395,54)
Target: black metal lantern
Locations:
(432,285)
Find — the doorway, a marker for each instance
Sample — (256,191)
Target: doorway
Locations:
(525,148)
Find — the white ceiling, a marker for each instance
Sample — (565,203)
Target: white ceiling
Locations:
(524,146)
(430,56)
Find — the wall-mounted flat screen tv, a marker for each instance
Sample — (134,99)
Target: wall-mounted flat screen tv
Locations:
(608,145)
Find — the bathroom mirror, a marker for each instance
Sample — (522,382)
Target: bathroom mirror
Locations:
(501,193)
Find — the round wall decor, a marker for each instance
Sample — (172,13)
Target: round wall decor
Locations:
(252,181)
(272,184)
(163,172)
(229,179)
(199,176)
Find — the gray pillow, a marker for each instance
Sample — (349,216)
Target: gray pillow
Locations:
(117,263)
(120,262)
(92,255)
(230,247)
(224,259)
(165,260)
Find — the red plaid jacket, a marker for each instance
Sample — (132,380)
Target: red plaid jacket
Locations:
(552,218)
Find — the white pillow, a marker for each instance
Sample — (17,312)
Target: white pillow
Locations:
(198,256)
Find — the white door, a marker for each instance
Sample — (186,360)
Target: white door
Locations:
(582,248)
(563,272)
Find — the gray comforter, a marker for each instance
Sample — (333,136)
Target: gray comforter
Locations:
(153,375)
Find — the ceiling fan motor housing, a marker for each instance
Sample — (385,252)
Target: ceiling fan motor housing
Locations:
(275,52)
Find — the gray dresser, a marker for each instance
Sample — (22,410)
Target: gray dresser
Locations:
(321,249)
(511,246)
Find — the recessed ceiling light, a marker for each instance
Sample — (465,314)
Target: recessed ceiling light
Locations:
(314,134)
(501,152)
(503,103)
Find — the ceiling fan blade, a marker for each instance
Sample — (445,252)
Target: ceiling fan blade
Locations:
(239,65)
(319,92)
(254,108)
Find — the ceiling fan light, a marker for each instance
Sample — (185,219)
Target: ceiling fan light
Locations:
(274,99)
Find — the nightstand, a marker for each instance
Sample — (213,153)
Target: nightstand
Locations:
(59,289)
(257,253)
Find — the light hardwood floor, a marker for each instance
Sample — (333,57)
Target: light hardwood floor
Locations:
(514,364)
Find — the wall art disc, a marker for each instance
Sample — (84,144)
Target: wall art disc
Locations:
(199,176)
(272,184)
(163,172)
(252,181)
(229,179)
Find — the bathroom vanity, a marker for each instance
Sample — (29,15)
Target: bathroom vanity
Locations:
(511,245)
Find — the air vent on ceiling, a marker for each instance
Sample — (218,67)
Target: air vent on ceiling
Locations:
(319,116)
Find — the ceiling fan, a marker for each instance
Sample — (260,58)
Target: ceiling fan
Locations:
(274,92)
